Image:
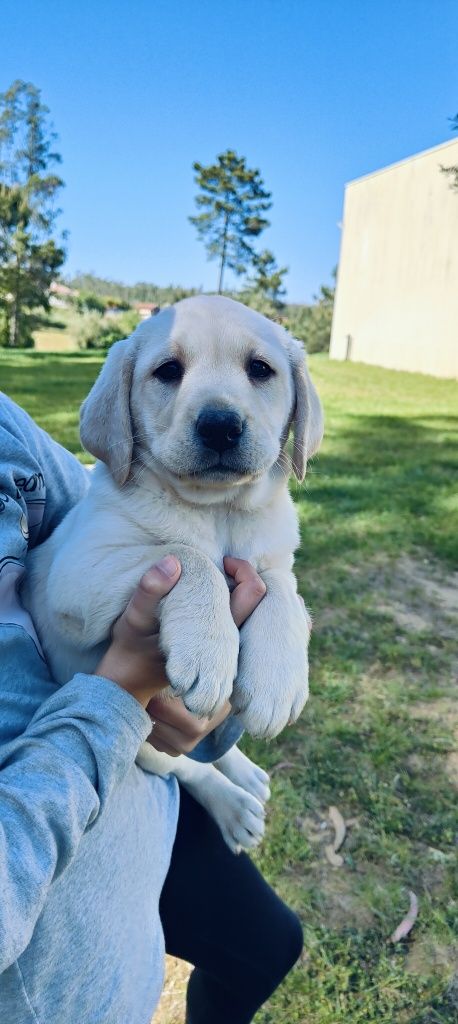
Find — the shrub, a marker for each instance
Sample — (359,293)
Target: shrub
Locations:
(312,324)
(87,302)
(99,332)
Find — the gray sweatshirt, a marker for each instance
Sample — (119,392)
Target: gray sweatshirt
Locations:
(85,835)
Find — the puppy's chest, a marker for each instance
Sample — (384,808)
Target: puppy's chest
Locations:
(242,535)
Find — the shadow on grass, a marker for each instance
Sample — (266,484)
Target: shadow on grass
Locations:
(385,480)
(51,387)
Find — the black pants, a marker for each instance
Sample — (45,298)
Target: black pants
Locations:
(219,914)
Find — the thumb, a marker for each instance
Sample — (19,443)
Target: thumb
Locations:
(141,612)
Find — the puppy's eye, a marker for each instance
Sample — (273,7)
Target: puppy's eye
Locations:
(169,372)
(259,370)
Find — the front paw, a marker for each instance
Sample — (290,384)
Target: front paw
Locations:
(272,681)
(201,646)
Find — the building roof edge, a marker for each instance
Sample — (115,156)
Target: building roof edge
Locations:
(405,160)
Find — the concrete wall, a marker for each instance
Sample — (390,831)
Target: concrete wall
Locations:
(397,286)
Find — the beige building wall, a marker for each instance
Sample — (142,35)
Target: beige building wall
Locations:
(397,288)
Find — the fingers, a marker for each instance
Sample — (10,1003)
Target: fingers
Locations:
(249,588)
(176,730)
(156,583)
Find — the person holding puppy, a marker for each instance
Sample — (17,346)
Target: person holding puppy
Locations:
(99,865)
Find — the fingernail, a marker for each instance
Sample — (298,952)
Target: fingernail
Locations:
(168,565)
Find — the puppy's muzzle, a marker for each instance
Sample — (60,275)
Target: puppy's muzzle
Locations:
(219,429)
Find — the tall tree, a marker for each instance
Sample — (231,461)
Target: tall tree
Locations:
(268,278)
(29,254)
(233,201)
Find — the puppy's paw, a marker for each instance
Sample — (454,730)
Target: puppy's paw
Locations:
(240,815)
(201,648)
(244,773)
(272,681)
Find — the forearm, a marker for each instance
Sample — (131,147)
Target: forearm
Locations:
(55,778)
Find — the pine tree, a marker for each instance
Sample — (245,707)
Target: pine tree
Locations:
(29,255)
(233,201)
(267,279)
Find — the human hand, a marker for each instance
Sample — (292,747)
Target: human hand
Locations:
(176,730)
(134,660)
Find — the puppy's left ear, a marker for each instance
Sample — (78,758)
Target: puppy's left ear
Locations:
(105,421)
(307,422)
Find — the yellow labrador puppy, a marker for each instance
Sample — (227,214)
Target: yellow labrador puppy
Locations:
(189,419)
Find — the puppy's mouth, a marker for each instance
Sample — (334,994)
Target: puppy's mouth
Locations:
(220,471)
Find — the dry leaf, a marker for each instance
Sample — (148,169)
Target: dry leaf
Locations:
(408,921)
(334,858)
(338,823)
(339,826)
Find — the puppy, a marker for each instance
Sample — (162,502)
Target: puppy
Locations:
(189,418)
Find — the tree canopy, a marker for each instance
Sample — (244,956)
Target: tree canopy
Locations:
(233,202)
(118,292)
(29,254)
(268,279)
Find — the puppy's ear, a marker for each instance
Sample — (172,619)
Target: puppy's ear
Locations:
(105,421)
(307,419)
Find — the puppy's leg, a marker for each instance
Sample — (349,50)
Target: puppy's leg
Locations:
(239,815)
(272,680)
(198,635)
(197,632)
(243,772)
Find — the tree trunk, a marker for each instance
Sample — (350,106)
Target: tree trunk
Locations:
(15,311)
(223,255)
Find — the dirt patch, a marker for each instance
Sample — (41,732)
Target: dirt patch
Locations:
(445,710)
(419,596)
(407,619)
(451,768)
(171,1009)
(342,902)
(439,587)
(335,892)
(428,957)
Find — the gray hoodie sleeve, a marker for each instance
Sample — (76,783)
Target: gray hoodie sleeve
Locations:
(63,750)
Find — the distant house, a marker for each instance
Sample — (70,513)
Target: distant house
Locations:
(396,299)
(60,295)
(146,309)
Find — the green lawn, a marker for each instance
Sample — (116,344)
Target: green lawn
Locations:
(378,514)
(58,331)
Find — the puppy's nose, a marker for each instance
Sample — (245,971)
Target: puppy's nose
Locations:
(219,429)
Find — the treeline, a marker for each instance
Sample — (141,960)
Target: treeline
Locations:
(311,323)
(129,294)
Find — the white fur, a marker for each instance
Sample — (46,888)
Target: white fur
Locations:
(152,495)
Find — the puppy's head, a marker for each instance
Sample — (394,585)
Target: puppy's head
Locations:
(204,394)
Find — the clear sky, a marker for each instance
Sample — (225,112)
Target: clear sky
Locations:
(313,92)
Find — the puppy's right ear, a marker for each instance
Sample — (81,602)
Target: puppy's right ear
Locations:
(105,421)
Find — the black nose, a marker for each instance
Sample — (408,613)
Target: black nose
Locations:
(219,429)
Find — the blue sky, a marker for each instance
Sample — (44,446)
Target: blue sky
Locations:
(313,92)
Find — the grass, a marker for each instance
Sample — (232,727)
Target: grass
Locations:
(376,740)
(51,386)
(58,331)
